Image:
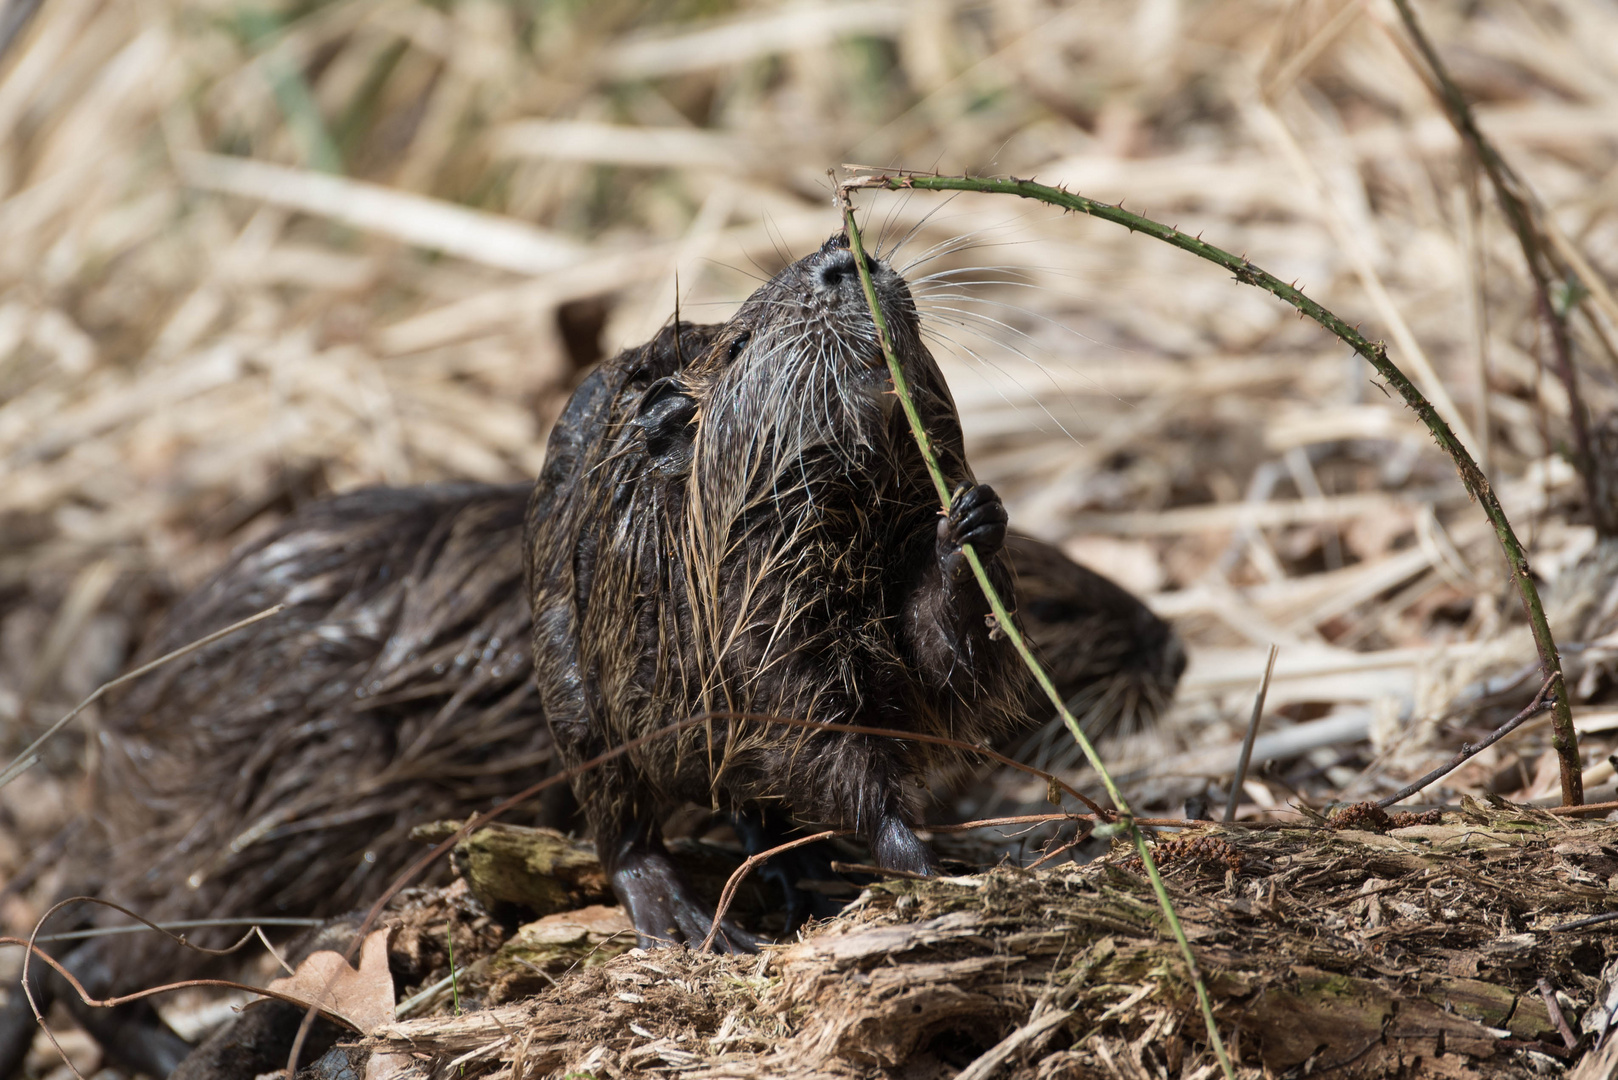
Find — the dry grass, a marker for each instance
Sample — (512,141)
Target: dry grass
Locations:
(251,254)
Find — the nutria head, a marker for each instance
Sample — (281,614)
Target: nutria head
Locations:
(799,368)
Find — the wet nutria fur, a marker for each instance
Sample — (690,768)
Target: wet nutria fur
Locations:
(737,522)
(279,771)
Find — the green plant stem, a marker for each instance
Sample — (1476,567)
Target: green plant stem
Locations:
(1008,626)
(1522,212)
(1563,738)
(454,985)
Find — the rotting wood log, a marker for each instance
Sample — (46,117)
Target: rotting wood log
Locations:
(1414,953)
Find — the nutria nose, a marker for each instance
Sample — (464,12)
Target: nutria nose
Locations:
(837,268)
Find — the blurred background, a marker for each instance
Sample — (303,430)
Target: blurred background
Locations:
(254,253)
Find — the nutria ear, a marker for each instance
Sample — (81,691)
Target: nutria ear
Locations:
(664,418)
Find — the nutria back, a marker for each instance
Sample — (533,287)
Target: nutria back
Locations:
(281,769)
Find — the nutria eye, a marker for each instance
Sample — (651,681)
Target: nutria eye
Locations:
(738,345)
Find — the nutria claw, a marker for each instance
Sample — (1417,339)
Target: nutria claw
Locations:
(977,517)
(661,906)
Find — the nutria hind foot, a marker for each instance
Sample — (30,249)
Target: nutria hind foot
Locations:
(760,830)
(661,906)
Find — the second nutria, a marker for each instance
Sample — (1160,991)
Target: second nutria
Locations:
(279,770)
(738,523)
(1115,663)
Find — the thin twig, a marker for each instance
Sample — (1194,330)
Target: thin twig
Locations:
(735,880)
(28,757)
(178,924)
(1541,702)
(1043,819)
(1523,214)
(1585,924)
(31,945)
(1584,808)
(1564,738)
(1548,992)
(1240,778)
(879,871)
(1060,850)
(1008,626)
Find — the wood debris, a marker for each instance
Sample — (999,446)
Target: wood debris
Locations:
(1415,952)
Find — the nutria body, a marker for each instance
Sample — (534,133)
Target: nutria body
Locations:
(739,523)
(279,771)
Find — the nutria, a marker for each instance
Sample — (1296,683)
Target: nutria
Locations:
(279,771)
(740,525)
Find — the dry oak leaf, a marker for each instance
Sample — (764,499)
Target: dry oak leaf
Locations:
(362,999)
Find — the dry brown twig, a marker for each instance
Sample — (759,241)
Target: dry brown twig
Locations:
(32,949)
(1526,216)
(741,872)
(1240,776)
(1542,701)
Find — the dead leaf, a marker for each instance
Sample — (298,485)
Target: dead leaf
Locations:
(382,1066)
(362,999)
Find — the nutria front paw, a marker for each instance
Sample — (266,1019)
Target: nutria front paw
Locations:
(977,517)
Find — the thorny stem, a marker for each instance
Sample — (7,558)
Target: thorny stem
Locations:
(1563,737)
(1008,626)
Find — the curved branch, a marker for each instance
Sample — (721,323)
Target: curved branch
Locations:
(1563,738)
